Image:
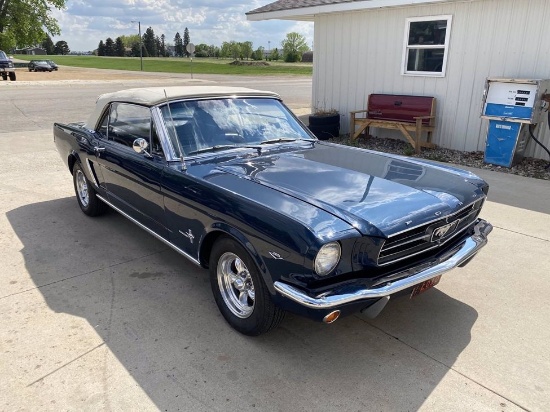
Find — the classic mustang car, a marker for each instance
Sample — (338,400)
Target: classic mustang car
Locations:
(232,180)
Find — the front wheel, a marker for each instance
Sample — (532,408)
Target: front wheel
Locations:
(239,290)
(12,76)
(86,195)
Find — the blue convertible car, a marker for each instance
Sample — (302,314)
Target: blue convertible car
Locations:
(229,178)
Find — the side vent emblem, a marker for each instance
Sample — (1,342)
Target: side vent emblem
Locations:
(189,235)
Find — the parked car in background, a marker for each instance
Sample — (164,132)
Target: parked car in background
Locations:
(53,65)
(39,66)
(7,68)
(232,180)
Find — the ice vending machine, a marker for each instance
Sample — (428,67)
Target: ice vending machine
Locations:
(511,105)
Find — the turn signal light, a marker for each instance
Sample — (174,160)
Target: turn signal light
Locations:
(332,316)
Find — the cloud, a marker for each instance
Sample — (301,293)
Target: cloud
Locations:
(85,22)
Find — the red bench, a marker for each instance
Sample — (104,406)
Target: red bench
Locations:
(400,112)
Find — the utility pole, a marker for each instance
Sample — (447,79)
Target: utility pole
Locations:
(140,44)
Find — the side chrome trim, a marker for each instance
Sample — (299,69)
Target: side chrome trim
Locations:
(347,294)
(166,242)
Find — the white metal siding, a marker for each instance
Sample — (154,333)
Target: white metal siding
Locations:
(358,53)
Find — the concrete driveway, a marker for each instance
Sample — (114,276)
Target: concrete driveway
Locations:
(99,315)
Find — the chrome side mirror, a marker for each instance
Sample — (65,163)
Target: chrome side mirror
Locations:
(140,146)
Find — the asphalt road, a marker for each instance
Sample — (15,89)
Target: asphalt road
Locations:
(98,315)
(36,105)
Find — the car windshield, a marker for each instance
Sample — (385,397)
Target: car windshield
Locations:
(3,55)
(218,124)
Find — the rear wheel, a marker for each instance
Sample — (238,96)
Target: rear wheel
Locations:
(4,76)
(86,195)
(239,290)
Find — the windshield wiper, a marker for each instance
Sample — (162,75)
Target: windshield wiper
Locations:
(213,148)
(223,147)
(279,140)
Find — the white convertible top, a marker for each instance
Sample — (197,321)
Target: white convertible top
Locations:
(151,96)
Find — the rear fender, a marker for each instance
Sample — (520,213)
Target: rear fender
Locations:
(75,144)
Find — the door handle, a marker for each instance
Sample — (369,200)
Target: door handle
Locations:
(98,150)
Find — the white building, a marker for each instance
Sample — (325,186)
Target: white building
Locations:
(441,48)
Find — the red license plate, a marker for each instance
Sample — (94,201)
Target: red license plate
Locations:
(424,286)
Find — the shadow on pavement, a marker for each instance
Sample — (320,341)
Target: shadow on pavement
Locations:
(154,311)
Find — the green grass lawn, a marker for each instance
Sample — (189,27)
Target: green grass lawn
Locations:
(178,65)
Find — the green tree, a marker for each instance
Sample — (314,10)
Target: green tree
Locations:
(258,54)
(202,50)
(120,50)
(213,51)
(48,45)
(149,42)
(235,49)
(61,47)
(178,45)
(101,48)
(225,50)
(162,45)
(135,49)
(246,49)
(109,47)
(26,22)
(186,41)
(294,46)
(274,54)
(130,40)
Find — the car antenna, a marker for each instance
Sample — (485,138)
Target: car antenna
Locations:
(183,166)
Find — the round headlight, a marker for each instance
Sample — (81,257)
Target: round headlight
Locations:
(327,258)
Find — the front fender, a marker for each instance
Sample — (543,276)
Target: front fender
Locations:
(221,228)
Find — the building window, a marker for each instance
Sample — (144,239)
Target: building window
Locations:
(426,46)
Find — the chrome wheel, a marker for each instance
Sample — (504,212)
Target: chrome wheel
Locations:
(82,188)
(236,286)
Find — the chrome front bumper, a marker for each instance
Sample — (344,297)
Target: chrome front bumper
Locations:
(349,294)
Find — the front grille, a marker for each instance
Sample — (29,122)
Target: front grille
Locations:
(429,236)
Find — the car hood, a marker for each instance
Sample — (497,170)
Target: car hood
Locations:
(376,193)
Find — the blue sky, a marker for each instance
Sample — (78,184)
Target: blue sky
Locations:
(85,22)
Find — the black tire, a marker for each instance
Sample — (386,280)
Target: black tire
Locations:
(12,76)
(258,314)
(30,69)
(86,195)
(4,76)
